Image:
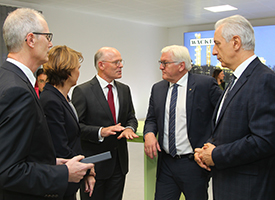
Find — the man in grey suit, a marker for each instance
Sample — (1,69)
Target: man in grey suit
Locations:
(29,169)
(106,124)
(241,150)
(197,96)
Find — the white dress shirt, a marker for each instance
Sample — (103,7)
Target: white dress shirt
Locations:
(183,145)
(103,84)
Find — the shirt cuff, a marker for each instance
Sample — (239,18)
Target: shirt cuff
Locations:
(130,128)
(100,138)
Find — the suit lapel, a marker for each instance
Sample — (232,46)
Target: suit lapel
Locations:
(163,96)
(191,86)
(216,109)
(63,100)
(238,85)
(70,109)
(73,114)
(98,93)
(121,99)
(11,67)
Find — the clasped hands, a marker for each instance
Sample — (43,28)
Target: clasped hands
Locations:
(203,156)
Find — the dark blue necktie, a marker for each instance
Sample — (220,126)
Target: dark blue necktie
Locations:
(172,124)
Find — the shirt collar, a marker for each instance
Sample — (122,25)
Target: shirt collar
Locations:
(104,83)
(183,81)
(25,70)
(240,69)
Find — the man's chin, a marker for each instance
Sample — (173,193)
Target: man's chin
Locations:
(119,75)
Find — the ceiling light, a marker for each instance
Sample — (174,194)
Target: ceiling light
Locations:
(220,8)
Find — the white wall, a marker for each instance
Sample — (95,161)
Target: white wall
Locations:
(139,45)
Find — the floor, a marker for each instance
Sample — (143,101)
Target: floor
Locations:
(134,187)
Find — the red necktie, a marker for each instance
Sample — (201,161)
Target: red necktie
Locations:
(111,102)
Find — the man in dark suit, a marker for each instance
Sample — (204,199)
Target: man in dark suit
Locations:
(197,96)
(241,150)
(106,127)
(28,168)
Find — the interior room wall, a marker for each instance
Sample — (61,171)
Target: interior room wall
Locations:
(175,35)
(139,45)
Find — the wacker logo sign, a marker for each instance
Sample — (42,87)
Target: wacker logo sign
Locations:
(202,42)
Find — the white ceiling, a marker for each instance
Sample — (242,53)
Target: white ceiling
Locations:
(164,13)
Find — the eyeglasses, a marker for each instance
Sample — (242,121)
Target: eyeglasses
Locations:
(116,62)
(166,63)
(49,36)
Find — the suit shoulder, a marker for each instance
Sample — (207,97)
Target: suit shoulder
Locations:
(201,77)
(85,85)
(121,84)
(161,83)
(49,97)
(265,69)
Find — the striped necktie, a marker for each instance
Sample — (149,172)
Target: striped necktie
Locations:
(172,124)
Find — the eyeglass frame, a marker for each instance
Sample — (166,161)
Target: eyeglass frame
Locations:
(165,63)
(116,62)
(49,36)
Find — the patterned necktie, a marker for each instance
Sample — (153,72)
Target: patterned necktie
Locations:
(111,102)
(172,116)
(233,77)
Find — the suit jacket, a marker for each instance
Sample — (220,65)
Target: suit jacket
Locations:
(203,93)
(63,125)
(94,112)
(245,138)
(62,122)
(27,157)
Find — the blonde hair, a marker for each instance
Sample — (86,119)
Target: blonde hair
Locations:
(62,60)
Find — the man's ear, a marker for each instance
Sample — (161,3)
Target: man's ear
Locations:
(30,40)
(100,65)
(182,66)
(237,42)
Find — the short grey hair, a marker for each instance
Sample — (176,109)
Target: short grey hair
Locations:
(238,25)
(17,26)
(97,57)
(180,53)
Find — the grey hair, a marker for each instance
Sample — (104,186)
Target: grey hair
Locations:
(238,25)
(17,26)
(97,57)
(180,53)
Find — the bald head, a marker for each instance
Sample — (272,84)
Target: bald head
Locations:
(108,63)
(104,53)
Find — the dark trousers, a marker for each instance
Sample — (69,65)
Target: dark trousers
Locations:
(181,175)
(70,197)
(106,189)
